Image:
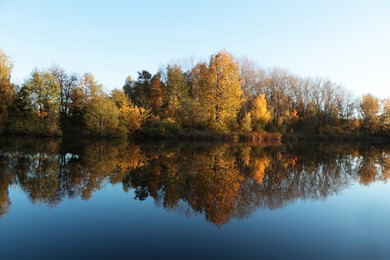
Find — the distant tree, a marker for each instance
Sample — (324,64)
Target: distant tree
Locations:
(369,109)
(346,105)
(139,91)
(67,84)
(90,85)
(83,94)
(128,88)
(249,77)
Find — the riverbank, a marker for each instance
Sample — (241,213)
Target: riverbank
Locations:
(208,136)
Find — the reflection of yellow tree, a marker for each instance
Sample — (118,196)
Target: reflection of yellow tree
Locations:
(259,165)
(130,158)
(216,185)
(246,155)
(368,170)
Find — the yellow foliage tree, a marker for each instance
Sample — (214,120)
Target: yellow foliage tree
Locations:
(176,92)
(260,113)
(246,123)
(130,116)
(221,96)
(102,118)
(133,116)
(369,108)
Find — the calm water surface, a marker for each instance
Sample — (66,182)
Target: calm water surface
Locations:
(89,200)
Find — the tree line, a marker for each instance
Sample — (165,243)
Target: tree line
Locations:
(221,95)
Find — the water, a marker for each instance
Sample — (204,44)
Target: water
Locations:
(111,199)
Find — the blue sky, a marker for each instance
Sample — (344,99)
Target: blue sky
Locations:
(346,41)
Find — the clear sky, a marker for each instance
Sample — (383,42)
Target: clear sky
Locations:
(346,41)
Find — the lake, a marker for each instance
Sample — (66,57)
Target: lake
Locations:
(111,199)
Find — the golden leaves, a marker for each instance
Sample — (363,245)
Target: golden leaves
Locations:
(259,112)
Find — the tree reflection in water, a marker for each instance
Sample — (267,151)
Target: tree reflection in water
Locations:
(220,181)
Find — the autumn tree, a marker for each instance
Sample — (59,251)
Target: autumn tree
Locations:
(130,116)
(194,113)
(38,103)
(67,84)
(6,89)
(45,92)
(275,85)
(246,122)
(384,117)
(176,92)
(259,112)
(369,108)
(102,117)
(79,102)
(290,118)
(155,100)
(221,96)
(90,85)
(80,97)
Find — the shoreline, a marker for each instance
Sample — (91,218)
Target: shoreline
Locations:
(205,136)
